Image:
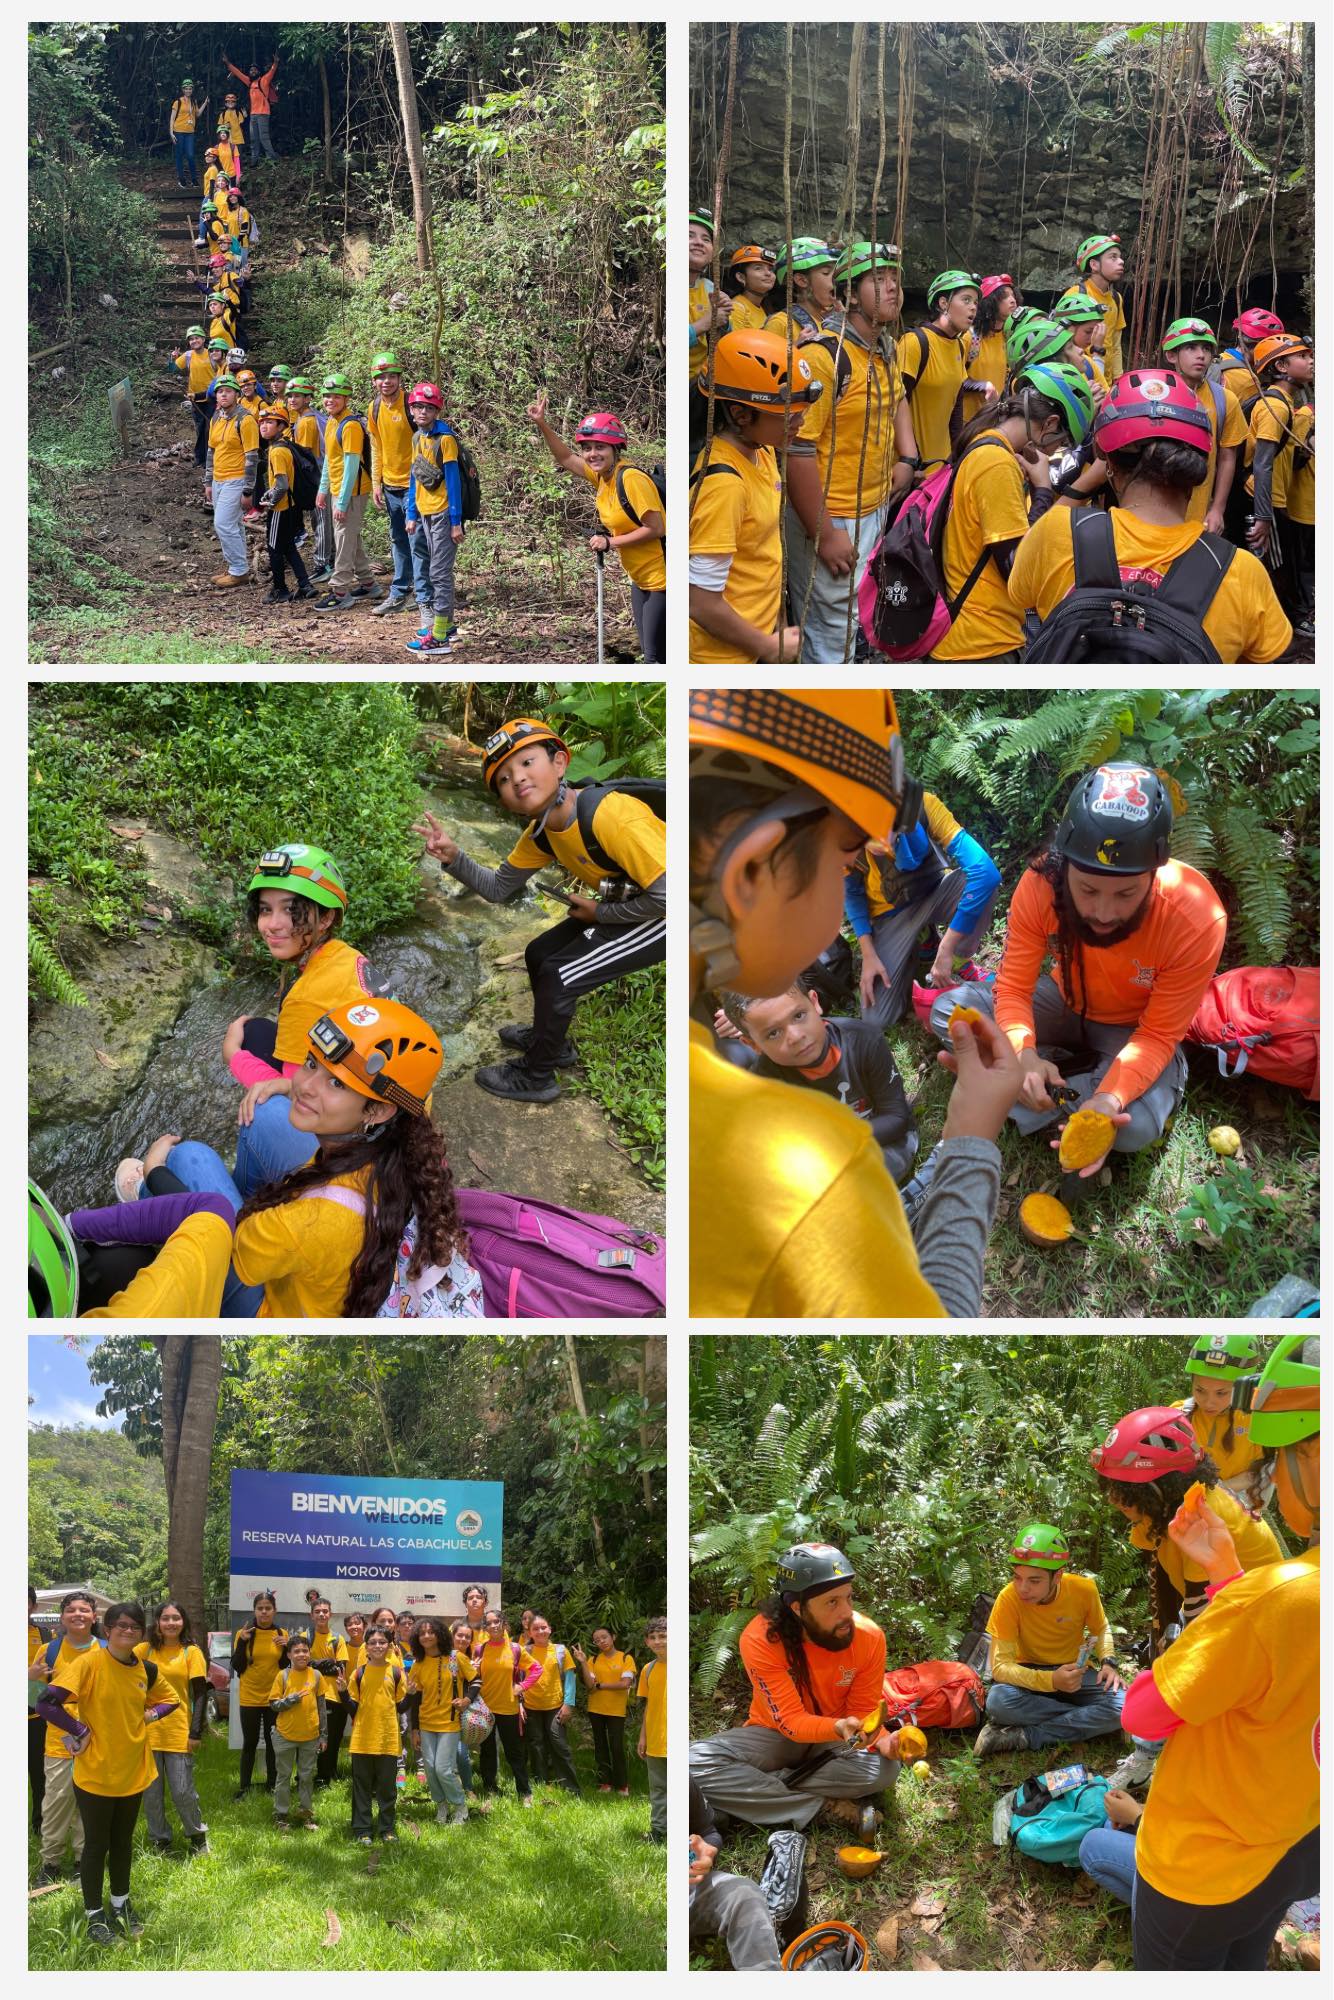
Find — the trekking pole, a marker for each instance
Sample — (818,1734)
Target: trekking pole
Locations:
(600,562)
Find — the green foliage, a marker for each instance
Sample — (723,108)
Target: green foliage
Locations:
(47,976)
(97,1513)
(1233,1209)
(618,1032)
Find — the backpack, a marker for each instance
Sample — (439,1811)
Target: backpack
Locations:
(935,1694)
(470,480)
(306,476)
(1103,619)
(355,417)
(540,1261)
(901,602)
(421,1297)
(656,473)
(587,799)
(1265,1019)
(1051,1829)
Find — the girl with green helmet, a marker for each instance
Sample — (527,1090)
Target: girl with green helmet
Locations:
(1216,1363)
(1083,316)
(933,361)
(1051,1669)
(1002,484)
(805,285)
(1190,346)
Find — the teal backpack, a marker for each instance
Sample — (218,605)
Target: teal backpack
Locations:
(1050,1829)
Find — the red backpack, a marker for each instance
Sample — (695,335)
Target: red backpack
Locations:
(1265,1019)
(935,1694)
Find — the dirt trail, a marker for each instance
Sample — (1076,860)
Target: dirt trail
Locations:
(146,516)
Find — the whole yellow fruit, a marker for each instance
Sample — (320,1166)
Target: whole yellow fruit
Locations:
(1225,1139)
(921,1769)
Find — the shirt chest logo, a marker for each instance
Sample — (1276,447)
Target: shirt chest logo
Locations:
(1143,975)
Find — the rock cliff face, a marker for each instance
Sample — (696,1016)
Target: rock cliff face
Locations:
(1000,178)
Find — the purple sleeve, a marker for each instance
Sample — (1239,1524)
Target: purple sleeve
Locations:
(51,1708)
(152,1220)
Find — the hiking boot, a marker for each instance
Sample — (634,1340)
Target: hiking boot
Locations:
(45,1878)
(99,1930)
(388,604)
(426,642)
(516,1081)
(129,1180)
(198,1845)
(227,581)
(995,1740)
(277,597)
(515,1036)
(333,602)
(126,1919)
(858,1813)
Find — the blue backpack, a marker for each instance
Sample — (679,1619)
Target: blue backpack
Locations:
(1050,1829)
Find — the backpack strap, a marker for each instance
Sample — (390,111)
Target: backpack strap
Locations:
(1192,581)
(955,606)
(709,471)
(1220,407)
(1094,545)
(625,506)
(916,333)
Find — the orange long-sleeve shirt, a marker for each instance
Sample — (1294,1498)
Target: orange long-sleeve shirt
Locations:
(1154,979)
(260,88)
(846,1683)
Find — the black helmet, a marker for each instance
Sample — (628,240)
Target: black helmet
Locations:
(1118,821)
(811,1566)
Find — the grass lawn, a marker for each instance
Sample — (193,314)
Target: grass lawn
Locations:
(573,1885)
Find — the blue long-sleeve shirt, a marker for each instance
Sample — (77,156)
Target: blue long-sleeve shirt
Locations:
(981,875)
(453,484)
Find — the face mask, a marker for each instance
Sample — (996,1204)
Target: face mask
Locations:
(1301,1514)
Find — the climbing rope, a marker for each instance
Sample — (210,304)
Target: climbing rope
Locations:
(724,160)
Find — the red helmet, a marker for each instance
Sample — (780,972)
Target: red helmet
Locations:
(994,283)
(1255,323)
(1145,1445)
(426,392)
(601,427)
(1147,404)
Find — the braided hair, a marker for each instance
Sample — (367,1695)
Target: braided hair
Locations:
(783,1624)
(1069,945)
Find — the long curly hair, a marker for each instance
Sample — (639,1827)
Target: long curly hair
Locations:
(1159,1499)
(1069,948)
(409,1176)
(784,1625)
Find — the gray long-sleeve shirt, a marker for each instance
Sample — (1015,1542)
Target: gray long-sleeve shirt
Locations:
(954,1222)
(503,883)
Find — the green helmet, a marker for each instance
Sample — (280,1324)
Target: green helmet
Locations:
(53,1261)
(1020,317)
(187,83)
(194,333)
(306,871)
(1184,332)
(857,259)
(1285,1403)
(808,253)
(946,282)
(220,340)
(226,382)
(280,374)
(1039,339)
(1076,309)
(1094,246)
(1225,1356)
(701,218)
(387,363)
(301,385)
(1061,382)
(1041,1546)
(336,385)
(209,207)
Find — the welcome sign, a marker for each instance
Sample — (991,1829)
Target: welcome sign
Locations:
(415,1544)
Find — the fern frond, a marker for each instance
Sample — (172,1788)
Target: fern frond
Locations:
(1257,865)
(48,976)
(1193,842)
(717,1648)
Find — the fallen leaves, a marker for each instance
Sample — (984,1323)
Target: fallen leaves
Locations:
(107,1062)
(480,1164)
(334,1930)
(922,1963)
(929,1904)
(887,1940)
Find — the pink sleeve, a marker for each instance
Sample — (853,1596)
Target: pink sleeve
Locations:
(1145,1713)
(534,1674)
(248,1069)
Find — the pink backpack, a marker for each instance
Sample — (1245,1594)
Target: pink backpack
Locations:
(901,600)
(538,1261)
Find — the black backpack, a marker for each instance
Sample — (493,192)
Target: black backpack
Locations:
(657,473)
(1110,622)
(470,481)
(306,476)
(653,791)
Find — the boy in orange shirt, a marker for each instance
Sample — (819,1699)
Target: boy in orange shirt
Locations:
(1135,939)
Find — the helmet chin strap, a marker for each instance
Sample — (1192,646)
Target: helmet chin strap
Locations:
(711,930)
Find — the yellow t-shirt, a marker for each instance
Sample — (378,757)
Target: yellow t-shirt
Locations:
(227,156)
(57,1743)
(497,1666)
(335,449)
(778,323)
(281,466)
(653,1690)
(111,1695)
(356,1657)
(196,364)
(1245,621)
(302,1252)
(700,293)
(746,317)
(439,451)
(232,122)
(935,391)
(184,114)
(376,1687)
(1301,474)
(1113,318)
(549,1691)
(1210,1433)
(1049,1635)
(990,365)
(644,563)
(609,1698)
(439,1683)
(840,426)
(1239,1783)
(1240,381)
(229,439)
(212,174)
(306,431)
(736,514)
(1234,432)
(792,1213)
(36,1647)
(329,1646)
(220,327)
(627,828)
(253,1686)
(302,1723)
(335,975)
(392,435)
(885,887)
(184,1280)
(253,403)
(1254,1542)
(176,1669)
(988,504)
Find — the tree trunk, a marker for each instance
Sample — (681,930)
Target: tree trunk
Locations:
(191,1384)
(577,1392)
(1308,154)
(412,140)
(328,123)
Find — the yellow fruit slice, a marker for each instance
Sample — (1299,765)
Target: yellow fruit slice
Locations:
(871,1723)
(1045,1221)
(855,1862)
(1087,1136)
(909,1743)
(963,1014)
(1194,1495)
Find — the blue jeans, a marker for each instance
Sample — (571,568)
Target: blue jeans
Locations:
(1108,1855)
(201,1170)
(440,1756)
(183,147)
(1045,1718)
(268,1147)
(412,553)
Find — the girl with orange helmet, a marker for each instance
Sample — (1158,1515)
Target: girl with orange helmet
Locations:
(1279,426)
(791,1209)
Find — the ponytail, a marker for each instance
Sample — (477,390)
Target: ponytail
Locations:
(1026,403)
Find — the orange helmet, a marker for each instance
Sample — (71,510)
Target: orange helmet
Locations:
(520,734)
(379,1048)
(1276,347)
(752,368)
(844,743)
(751,253)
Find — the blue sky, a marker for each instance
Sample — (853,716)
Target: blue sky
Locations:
(58,1382)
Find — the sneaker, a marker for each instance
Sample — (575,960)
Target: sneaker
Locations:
(995,1740)
(515,1036)
(198,1845)
(1136,1769)
(46,1878)
(333,602)
(309,1823)
(388,604)
(99,1930)
(1305,628)
(242,1792)
(280,1825)
(126,1919)
(250,515)
(365,590)
(162,1846)
(389,1839)
(322,574)
(459,1818)
(129,1180)
(426,642)
(604,1788)
(277,597)
(623,1791)
(517,1082)
(526,1799)
(364,1840)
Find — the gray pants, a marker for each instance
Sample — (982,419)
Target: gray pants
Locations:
(1085,1051)
(303,1756)
(260,141)
(761,1776)
(894,936)
(733,1908)
(440,541)
(825,638)
(177,1769)
(657,1796)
